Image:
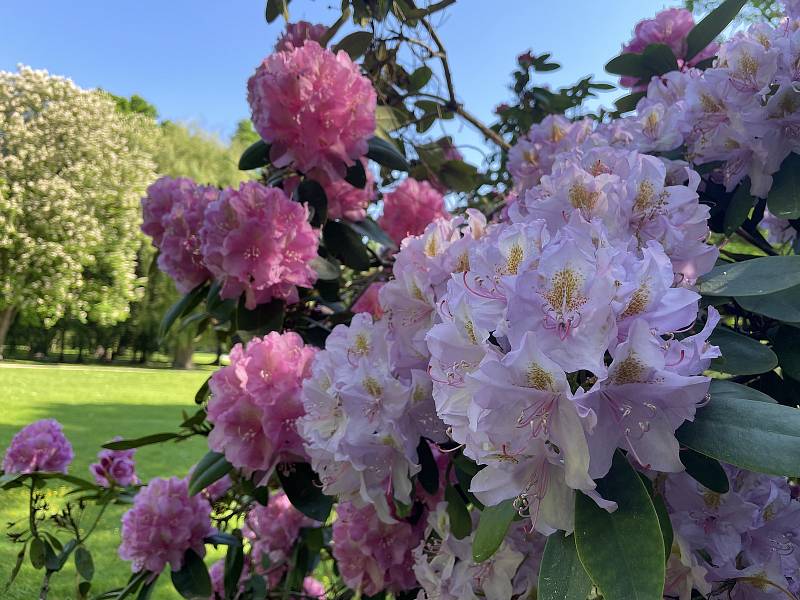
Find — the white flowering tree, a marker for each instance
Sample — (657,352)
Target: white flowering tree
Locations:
(73,169)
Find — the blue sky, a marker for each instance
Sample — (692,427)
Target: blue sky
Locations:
(191,58)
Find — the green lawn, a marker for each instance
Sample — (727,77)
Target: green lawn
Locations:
(94,404)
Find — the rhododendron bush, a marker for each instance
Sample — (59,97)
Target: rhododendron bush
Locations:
(570,373)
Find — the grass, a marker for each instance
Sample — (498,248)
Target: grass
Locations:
(94,404)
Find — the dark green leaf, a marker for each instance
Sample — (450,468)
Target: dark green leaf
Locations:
(664,523)
(355,44)
(629,102)
(659,59)
(623,551)
(37,553)
(783,305)
(765,275)
(561,574)
(146,593)
(255,156)
(419,78)
(85,586)
(459,176)
(460,520)
(738,209)
(705,470)
(372,230)
(629,64)
(345,244)
(326,270)
(304,490)
(212,467)
(84,564)
(758,436)
(51,560)
(787,345)
(492,528)
(182,307)
(15,569)
(262,319)
(203,393)
(155,438)
(741,355)
(784,195)
(386,154)
(196,419)
(234,563)
(276,8)
(711,26)
(222,539)
(429,470)
(313,194)
(356,175)
(192,581)
(721,388)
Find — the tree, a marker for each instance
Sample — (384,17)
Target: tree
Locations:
(74,168)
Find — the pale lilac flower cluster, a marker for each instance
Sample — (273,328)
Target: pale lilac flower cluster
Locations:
(173,211)
(742,544)
(556,343)
(115,467)
(314,108)
(409,208)
(364,420)
(257,241)
(163,524)
(792,8)
(374,556)
(671,28)
(777,231)
(40,446)
(445,569)
(297,34)
(255,402)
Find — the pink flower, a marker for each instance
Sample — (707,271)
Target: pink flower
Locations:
(257,241)
(373,555)
(163,524)
(297,34)
(255,401)
(273,529)
(313,588)
(315,109)
(217,573)
(409,208)
(346,201)
(369,302)
(40,446)
(115,467)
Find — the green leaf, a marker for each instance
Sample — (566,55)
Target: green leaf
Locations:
(356,175)
(234,564)
(304,490)
(276,8)
(212,467)
(764,275)
(85,586)
(262,319)
(429,470)
(192,581)
(355,44)
(784,195)
(629,102)
(146,592)
(758,436)
(222,539)
(458,175)
(203,392)
(372,230)
(345,244)
(787,345)
(722,388)
(783,305)
(659,59)
(628,64)
(155,438)
(326,270)
(741,355)
(15,569)
(492,528)
(255,156)
(37,553)
(460,520)
(561,574)
(84,564)
(623,551)
(664,523)
(313,194)
(419,78)
(386,154)
(705,470)
(738,209)
(711,26)
(182,307)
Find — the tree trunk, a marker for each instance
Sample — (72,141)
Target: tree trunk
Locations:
(6,318)
(182,355)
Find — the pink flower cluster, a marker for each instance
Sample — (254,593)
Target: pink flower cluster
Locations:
(255,402)
(173,212)
(257,241)
(409,208)
(297,34)
(346,201)
(369,302)
(314,108)
(670,27)
(163,524)
(115,467)
(40,446)
(217,573)
(372,555)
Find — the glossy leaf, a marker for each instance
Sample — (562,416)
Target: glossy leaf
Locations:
(262,319)
(326,270)
(345,244)
(372,230)
(628,64)
(458,175)
(386,154)
(622,551)
(784,195)
(722,388)
(212,467)
(711,26)
(355,44)
(419,78)
(629,102)
(561,574)
(182,307)
(203,392)
(304,490)
(492,528)
(460,520)
(356,175)
(765,275)
(255,156)
(783,305)
(659,59)
(37,552)
(234,564)
(84,564)
(429,470)
(192,581)
(738,209)
(741,355)
(312,193)
(146,440)
(705,470)
(276,8)
(758,436)
(787,345)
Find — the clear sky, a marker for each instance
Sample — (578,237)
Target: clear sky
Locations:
(191,58)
